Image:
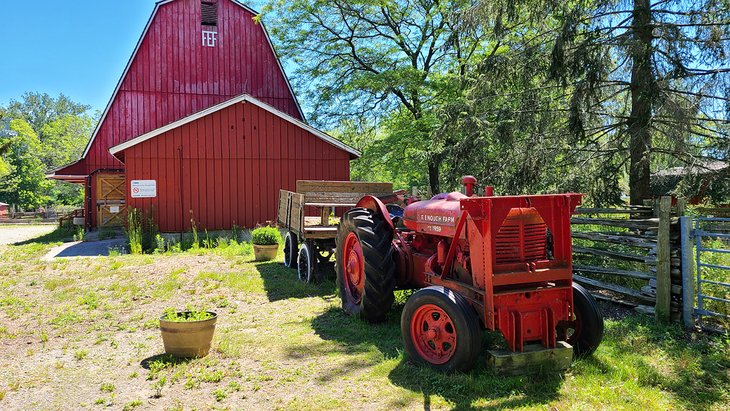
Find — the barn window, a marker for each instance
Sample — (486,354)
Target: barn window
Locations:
(209,13)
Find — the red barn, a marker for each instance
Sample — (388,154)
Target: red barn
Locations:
(205,117)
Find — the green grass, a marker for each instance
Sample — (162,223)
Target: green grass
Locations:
(283,344)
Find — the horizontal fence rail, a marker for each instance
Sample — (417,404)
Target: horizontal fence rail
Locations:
(625,255)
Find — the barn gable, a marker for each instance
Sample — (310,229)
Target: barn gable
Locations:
(187,59)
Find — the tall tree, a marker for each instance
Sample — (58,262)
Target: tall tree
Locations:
(646,80)
(379,60)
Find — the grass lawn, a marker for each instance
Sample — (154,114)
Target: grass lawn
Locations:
(82,334)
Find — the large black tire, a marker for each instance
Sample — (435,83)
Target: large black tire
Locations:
(291,250)
(372,296)
(586,331)
(421,315)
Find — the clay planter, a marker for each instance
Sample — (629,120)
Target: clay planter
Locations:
(186,339)
(265,252)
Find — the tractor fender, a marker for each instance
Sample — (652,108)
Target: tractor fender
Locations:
(374,204)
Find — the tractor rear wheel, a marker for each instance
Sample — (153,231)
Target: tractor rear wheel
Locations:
(441,330)
(585,332)
(366,269)
(291,250)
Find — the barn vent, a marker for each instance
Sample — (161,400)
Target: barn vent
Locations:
(209,13)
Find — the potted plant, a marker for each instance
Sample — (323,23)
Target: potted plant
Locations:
(265,243)
(187,333)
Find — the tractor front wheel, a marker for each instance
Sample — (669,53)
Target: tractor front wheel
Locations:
(366,269)
(441,330)
(585,331)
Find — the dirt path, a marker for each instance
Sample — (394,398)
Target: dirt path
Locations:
(17,233)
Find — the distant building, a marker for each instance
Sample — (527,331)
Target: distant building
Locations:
(4,210)
(706,178)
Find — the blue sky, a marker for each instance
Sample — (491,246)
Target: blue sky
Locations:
(78,48)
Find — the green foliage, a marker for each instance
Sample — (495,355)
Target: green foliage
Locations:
(142,232)
(25,185)
(50,133)
(190,315)
(134,231)
(266,236)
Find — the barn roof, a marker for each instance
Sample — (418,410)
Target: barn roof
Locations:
(244,98)
(139,44)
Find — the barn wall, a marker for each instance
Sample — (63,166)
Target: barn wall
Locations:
(227,168)
(173,75)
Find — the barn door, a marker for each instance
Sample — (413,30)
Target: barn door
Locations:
(111,195)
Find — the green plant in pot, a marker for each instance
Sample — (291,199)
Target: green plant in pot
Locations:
(266,242)
(187,333)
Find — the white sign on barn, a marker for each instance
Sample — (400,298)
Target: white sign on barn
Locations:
(144,188)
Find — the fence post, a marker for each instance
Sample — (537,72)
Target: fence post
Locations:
(688,283)
(663,266)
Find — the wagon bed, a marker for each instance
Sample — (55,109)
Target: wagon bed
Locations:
(316,232)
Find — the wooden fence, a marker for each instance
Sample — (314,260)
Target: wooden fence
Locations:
(631,256)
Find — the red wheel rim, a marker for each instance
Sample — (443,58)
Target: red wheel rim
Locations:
(433,333)
(354,267)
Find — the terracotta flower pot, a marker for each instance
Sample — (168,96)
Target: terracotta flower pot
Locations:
(188,338)
(265,252)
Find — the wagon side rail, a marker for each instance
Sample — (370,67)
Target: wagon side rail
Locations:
(291,211)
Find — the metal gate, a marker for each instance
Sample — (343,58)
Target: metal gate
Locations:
(706,270)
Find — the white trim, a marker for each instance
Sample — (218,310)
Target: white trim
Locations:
(240,99)
(139,44)
(65,176)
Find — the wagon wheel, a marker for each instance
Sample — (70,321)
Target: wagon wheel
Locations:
(291,250)
(307,263)
(440,329)
(365,266)
(585,331)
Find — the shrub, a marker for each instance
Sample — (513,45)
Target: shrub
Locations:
(134,231)
(266,236)
(186,316)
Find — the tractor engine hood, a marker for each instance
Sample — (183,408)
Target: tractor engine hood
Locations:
(437,216)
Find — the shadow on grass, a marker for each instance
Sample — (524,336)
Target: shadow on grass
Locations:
(282,283)
(699,363)
(159,362)
(60,234)
(478,389)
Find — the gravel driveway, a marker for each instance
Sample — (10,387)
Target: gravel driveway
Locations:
(16,233)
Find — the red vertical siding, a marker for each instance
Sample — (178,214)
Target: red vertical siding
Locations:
(173,75)
(234,163)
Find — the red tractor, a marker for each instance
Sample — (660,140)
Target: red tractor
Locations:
(500,263)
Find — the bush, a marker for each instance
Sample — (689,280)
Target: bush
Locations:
(266,236)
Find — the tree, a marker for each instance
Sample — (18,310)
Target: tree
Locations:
(647,81)
(51,132)
(377,61)
(25,185)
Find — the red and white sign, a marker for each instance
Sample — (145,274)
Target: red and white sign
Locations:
(144,189)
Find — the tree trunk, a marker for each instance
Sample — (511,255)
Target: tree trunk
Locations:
(433,174)
(642,86)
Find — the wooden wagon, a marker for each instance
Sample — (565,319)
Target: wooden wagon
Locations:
(308,215)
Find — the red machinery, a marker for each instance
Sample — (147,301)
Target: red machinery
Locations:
(502,262)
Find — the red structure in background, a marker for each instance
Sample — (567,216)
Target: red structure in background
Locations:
(225,166)
(192,55)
